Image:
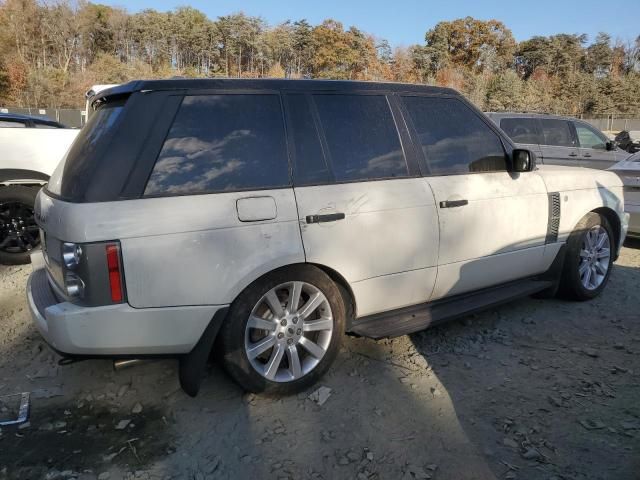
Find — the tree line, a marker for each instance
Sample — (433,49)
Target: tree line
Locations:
(52,52)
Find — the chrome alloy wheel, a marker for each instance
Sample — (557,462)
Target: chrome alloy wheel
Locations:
(288,332)
(595,255)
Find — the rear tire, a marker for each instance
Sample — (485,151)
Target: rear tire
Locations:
(283,331)
(589,258)
(19,234)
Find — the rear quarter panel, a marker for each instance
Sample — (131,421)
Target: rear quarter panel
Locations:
(187,250)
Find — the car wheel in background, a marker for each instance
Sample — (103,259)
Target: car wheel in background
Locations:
(589,260)
(283,332)
(19,233)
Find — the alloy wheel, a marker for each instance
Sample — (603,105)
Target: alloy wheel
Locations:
(595,256)
(18,229)
(289,331)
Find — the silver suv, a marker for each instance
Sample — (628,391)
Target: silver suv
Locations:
(560,140)
(273,216)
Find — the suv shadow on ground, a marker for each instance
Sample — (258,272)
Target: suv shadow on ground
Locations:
(544,387)
(552,381)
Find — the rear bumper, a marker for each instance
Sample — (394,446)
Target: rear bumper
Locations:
(113,330)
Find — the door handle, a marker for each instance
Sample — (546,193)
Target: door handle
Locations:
(453,203)
(587,155)
(329,217)
(573,154)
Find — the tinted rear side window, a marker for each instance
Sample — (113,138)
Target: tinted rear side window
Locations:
(223,143)
(76,168)
(454,140)
(521,130)
(557,133)
(361,136)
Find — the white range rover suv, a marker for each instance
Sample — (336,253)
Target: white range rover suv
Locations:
(266,218)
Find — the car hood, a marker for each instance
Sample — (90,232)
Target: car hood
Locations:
(630,164)
(560,178)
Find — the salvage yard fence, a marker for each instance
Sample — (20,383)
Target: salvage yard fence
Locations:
(614,123)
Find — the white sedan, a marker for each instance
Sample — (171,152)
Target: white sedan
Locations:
(629,172)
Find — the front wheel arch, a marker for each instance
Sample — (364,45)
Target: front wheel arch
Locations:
(614,222)
(571,286)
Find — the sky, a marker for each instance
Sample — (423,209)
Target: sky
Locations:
(404,22)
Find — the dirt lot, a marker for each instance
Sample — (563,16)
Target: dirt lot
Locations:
(537,389)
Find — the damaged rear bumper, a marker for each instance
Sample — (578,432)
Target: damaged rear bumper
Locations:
(114,330)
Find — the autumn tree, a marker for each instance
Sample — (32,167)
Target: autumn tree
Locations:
(51,52)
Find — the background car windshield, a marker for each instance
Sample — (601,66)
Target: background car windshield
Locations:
(588,138)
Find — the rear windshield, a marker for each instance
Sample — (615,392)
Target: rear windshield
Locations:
(71,175)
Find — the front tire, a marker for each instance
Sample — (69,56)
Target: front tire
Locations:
(19,233)
(589,260)
(283,332)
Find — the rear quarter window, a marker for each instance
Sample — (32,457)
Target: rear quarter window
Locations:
(85,154)
(221,143)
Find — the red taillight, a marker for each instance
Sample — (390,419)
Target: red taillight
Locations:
(115,277)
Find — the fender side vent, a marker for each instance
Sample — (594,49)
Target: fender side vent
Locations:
(554,218)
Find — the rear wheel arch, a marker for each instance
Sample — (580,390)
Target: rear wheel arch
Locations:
(346,292)
(345,289)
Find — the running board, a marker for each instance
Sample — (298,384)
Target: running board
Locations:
(418,317)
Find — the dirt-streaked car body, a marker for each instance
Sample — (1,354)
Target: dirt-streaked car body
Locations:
(276,215)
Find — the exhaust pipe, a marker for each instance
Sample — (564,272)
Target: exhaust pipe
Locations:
(122,364)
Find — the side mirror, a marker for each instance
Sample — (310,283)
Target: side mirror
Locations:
(523,160)
(610,145)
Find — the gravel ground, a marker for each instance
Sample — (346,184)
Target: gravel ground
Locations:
(536,389)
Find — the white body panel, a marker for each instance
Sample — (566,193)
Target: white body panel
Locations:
(190,250)
(629,172)
(505,213)
(120,329)
(36,149)
(389,235)
(191,255)
(583,190)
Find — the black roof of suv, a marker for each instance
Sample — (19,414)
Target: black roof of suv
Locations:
(140,114)
(267,84)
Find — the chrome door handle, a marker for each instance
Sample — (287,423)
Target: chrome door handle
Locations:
(573,154)
(587,155)
(453,203)
(329,217)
